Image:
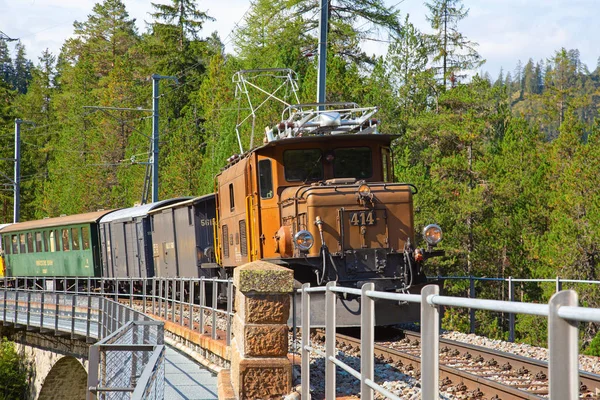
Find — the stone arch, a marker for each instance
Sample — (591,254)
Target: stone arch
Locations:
(66,380)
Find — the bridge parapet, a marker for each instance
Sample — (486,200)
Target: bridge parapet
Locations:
(260,368)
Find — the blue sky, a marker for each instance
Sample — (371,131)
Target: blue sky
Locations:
(506,30)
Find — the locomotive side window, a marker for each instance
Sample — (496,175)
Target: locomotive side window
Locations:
(352,162)
(303,165)
(22,249)
(7,246)
(265,179)
(231,199)
(387,164)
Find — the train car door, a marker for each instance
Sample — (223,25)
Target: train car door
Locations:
(140,255)
(167,247)
(267,208)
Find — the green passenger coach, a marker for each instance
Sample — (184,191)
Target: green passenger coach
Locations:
(62,246)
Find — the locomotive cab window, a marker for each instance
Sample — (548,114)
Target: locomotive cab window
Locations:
(353,162)
(265,179)
(303,165)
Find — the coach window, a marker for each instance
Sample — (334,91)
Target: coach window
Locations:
(15,244)
(65,240)
(38,242)
(54,246)
(22,248)
(265,179)
(7,246)
(30,248)
(231,199)
(85,236)
(303,165)
(45,238)
(75,238)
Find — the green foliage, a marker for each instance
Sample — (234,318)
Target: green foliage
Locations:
(594,348)
(14,372)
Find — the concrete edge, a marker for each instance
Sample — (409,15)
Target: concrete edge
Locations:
(225,388)
(194,355)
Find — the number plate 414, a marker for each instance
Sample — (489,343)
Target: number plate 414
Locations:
(362,218)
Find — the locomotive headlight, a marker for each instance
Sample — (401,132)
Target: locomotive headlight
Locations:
(364,190)
(304,240)
(432,234)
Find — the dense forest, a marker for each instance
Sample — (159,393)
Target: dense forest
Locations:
(508,166)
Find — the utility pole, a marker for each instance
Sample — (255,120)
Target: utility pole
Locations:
(322,73)
(17,180)
(155,80)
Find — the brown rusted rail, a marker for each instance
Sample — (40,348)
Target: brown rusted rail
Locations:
(528,377)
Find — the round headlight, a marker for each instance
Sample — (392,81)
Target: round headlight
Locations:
(304,240)
(432,234)
(364,190)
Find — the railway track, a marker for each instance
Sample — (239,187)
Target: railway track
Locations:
(469,371)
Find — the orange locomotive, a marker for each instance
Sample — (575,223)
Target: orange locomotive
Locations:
(318,197)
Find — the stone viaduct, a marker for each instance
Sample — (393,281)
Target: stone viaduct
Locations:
(58,364)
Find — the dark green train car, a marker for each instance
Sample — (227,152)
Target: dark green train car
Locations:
(63,246)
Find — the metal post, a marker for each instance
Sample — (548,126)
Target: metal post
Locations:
(181,300)
(511,316)
(202,304)
(131,292)
(472,310)
(16,306)
(155,88)
(191,305)
(305,326)
(322,72)
(28,308)
(430,345)
(558,284)
(160,294)
(214,308)
(144,282)
(17,178)
(153,296)
(173,298)
(93,361)
(73,305)
(367,341)
(563,369)
(229,311)
(56,311)
(89,318)
(330,299)
(43,300)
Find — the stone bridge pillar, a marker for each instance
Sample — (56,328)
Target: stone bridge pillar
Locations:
(260,368)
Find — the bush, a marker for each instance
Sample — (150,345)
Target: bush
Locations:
(13,372)
(594,347)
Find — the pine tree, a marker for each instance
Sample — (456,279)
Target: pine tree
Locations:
(450,50)
(22,70)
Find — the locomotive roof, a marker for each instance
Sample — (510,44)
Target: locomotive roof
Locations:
(333,138)
(90,217)
(183,203)
(139,211)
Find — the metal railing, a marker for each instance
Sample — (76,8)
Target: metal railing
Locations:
(195,303)
(558,283)
(128,362)
(562,313)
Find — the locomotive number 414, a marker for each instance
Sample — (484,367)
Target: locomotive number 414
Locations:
(362,218)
